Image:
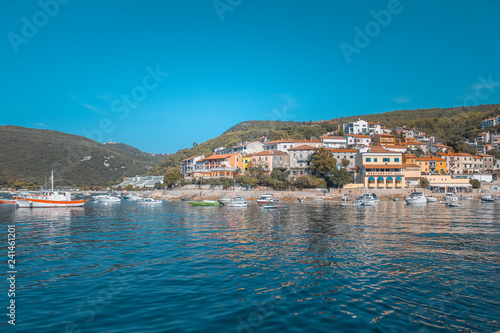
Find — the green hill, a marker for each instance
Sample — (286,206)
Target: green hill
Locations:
(451,126)
(29,155)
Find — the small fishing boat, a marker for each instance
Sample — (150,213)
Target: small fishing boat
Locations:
(416,198)
(274,204)
(487,197)
(395,199)
(449,198)
(368,199)
(302,200)
(132,197)
(7,201)
(345,204)
(318,199)
(264,199)
(237,202)
(204,203)
(453,204)
(431,198)
(185,199)
(149,201)
(107,198)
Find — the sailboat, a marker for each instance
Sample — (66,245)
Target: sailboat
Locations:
(48,199)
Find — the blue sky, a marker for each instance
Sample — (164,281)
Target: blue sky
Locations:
(162,74)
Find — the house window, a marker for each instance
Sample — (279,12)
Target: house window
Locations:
(375,159)
(368,159)
(386,159)
(265,158)
(396,159)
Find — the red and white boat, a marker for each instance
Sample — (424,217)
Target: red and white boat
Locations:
(7,201)
(48,199)
(264,199)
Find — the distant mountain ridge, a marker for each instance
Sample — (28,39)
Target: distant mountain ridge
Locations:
(29,155)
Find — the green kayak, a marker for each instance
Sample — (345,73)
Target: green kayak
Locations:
(204,203)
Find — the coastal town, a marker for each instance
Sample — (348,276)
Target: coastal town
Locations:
(376,157)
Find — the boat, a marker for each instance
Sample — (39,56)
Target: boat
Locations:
(149,201)
(344,204)
(185,199)
(416,198)
(264,199)
(453,204)
(467,198)
(48,199)
(204,203)
(318,199)
(225,200)
(346,198)
(107,198)
(487,197)
(368,199)
(395,199)
(133,197)
(7,201)
(302,200)
(237,202)
(431,198)
(357,202)
(449,197)
(274,204)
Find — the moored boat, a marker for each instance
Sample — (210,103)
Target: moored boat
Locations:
(204,203)
(367,199)
(237,202)
(7,201)
(416,198)
(274,204)
(487,197)
(431,198)
(264,199)
(225,200)
(149,201)
(48,199)
(107,198)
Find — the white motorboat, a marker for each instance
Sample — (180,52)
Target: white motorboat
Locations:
(107,198)
(149,201)
(453,204)
(449,197)
(264,199)
(225,200)
(431,198)
(238,202)
(318,199)
(416,198)
(274,204)
(487,197)
(133,197)
(368,199)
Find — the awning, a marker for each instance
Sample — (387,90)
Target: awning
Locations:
(399,178)
(389,178)
(380,178)
(371,178)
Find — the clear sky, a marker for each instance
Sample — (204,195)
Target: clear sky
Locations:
(162,74)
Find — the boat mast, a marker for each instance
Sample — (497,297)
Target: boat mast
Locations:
(52,180)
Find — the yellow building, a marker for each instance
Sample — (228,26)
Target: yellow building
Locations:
(432,165)
(384,140)
(246,163)
(218,166)
(381,168)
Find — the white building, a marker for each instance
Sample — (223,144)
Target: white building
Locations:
(490,122)
(357,140)
(242,147)
(357,127)
(284,145)
(334,142)
(188,166)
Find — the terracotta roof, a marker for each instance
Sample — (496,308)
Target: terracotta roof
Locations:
(372,123)
(393,146)
(333,137)
(268,152)
(186,159)
(409,155)
(484,155)
(217,157)
(454,154)
(406,165)
(380,150)
(430,158)
(443,146)
(302,147)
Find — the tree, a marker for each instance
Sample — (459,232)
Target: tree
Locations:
(246,180)
(424,183)
(158,186)
(339,178)
(171,177)
(307,182)
(475,183)
(345,163)
(322,162)
(280,174)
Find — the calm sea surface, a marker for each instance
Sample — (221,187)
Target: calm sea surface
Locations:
(317,267)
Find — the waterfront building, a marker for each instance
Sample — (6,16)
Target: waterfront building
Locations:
(270,159)
(300,160)
(431,165)
(188,166)
(458,163)
(380,168)
(218,166)
(447,183)
(487,162)
(347,154)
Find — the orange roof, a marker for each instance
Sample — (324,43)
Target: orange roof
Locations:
(342,150)
(268,152)
(442,146)
(393,146)
(302,147)
(217,157)
(372,123)
(358,136)
(383,166)
(430,158)
(187,159)
(379,150)
(333,137)
(406,165)
(484,155)
(454,154)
